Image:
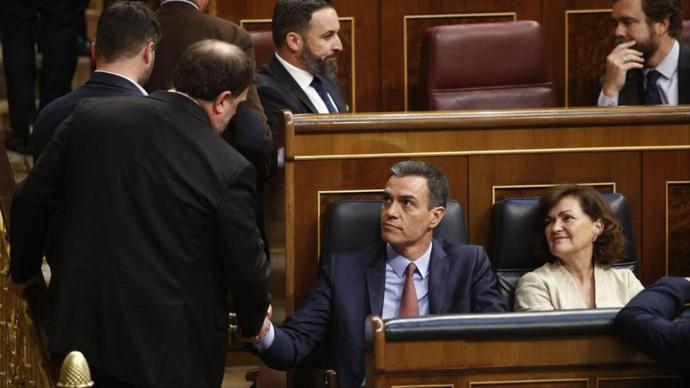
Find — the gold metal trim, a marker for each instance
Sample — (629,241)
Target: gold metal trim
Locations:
(438,16)
(424,386)
(544,185)
(626,378)
(668,183)
(565,64)
(486,152)
(499,382)
(318,211)
(353,53)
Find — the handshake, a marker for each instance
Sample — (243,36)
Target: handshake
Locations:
(264,329)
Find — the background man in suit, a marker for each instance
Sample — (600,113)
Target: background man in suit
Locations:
(183,22)
(410,274)
(648,66)
(647,321)
(59,23)
(127,35)
(157,222)
(300,76)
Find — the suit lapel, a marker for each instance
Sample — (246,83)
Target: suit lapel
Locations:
(633,90)
(684,74)
(438,276)
(376,281)
(280,71)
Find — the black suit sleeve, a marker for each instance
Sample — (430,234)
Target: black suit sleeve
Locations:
(34,204)
(647,321)
(485,296)
(244,261)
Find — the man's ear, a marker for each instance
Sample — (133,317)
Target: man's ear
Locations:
(662,26)
(149,52)
(93,52)
(222,102)
(294,41)
(437,215)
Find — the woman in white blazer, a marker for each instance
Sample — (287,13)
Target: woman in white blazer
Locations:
(584,238)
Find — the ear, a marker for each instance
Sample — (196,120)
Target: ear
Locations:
(93,52)
(222,102)
(149,52)
(598,227)
(294,41)
(662,26)
(437,215)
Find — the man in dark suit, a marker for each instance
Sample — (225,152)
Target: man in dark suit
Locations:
(127,35)
(410,274)
(648,66)
(183,22)
(300,76)
(59,23)
(647,321)
(157,223)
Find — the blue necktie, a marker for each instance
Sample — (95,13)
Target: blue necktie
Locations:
(652,96)
(317,84)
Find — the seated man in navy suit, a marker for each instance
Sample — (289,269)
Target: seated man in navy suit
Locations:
(647,321)
(126,37)
(410,274)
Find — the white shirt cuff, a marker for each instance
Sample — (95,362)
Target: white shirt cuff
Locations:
(267,340)
(605,100)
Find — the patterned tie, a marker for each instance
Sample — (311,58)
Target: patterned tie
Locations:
(317,84)
(652,96)
(408,302)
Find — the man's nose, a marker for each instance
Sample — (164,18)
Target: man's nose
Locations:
(619,32)
(337,44)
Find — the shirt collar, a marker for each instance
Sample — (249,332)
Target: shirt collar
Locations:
(399,262)
(302,77)
(142,90)
(670,64)
(182,1)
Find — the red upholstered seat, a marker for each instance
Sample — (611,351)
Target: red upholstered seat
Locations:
(263,46)
(484,66)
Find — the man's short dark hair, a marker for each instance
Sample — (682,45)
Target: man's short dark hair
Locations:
(658,10)
(435,180)
(209,67)
(124,28)
(294,16)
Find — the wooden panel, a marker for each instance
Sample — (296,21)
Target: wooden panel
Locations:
(658,168)
(346,60)
(310,178)
(586,62)
(502,192)
(555,383)
(678,228)
(414,27)
(640,382)
(622,168)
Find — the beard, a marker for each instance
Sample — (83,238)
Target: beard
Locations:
(647,47)
(327,66)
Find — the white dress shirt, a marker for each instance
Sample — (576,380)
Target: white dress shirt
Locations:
(303,79)
(667,83)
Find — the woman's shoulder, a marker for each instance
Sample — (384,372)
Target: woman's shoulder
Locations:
(542,274)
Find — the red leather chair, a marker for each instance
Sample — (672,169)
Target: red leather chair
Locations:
(484,66)
(685,33)
(263,46)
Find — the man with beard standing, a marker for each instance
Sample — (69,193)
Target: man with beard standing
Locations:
(648,66)
(300,76)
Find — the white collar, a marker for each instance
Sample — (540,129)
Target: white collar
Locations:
(669,64)
(142,90)
(182,1)
(302,77)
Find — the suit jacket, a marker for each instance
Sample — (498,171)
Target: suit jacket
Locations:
(156,223)
(550,287)
(633,90)
(647,321)
(182,25)
(100,84)
(278,91)
(351,286)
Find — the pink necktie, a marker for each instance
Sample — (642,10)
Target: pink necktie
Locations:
(408,302)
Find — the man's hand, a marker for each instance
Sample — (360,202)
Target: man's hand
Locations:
(618,62)
(264,329)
